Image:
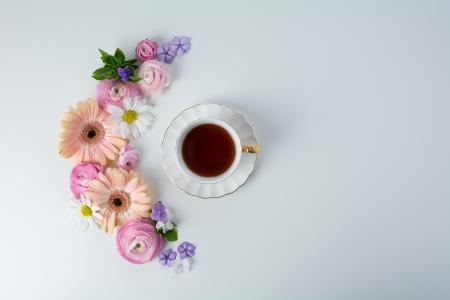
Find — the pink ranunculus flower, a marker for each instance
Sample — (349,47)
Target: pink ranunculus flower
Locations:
(80,176)
(155,77)
(112,92)
(137,241)
(146,50)
(128,158)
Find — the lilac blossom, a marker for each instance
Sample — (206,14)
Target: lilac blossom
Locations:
(167,257)
(165,54)
(180,45)
(159,212)
(124,73)
(186,250)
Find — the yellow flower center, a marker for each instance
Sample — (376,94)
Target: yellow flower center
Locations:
(86,211)
(129,116)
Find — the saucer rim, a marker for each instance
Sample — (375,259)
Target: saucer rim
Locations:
(220,182)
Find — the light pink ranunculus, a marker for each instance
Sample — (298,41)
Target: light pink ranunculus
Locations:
(146,50)
(80,176)
(155,77)
(137,241)
(112,92)
(128,158)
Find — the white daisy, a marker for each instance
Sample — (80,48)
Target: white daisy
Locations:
(180,265)
(164,226)
(133,120)
(84,214)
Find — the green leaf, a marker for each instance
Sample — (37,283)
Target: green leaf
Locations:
(100,71)
(104,54)
(171,235)
(98,77)
(110,69)
(130,62)
(157,231)
(134,66)
(174,224)
(133,70)
(107,61)
(111,74)
(111,60)
(119,55)
(134,78)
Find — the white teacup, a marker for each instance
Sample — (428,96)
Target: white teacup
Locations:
(237,144)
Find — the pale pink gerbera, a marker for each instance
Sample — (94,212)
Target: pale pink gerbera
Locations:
(87,136)
(122,196)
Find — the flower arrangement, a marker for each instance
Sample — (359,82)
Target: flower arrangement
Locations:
(107,193)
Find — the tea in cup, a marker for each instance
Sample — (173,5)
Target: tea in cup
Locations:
(209,150)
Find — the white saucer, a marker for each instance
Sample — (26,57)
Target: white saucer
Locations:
(208,190)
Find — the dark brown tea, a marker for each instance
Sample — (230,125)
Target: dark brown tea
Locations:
(208,150)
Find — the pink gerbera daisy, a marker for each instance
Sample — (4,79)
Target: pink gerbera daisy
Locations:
(122,196)
(87,136)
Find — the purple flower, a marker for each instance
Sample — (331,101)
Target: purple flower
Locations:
(186,250)
(180,45)
(124,73)
(166,257)
(165,54)
(159,212)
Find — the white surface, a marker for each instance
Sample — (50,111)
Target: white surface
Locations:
(350,102)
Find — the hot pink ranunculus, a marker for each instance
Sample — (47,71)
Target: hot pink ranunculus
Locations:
(128,158)
(112,92)
(137,241)
(80,176)
(155,77)
(146,50)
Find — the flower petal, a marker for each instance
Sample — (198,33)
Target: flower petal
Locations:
(131,185)
(184,40)
(159,225)
(141,207)
(115,110)
(111,222)
(169,59)
(175,40)
(186,47)
(180,51)
(169,225)
(127,103)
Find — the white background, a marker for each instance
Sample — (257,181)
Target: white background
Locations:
(349,100)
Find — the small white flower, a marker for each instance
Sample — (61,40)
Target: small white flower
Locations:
(131,121)
(180,265)
(84,214)
(164,226)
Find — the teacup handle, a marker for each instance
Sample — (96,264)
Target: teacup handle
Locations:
(251,148)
